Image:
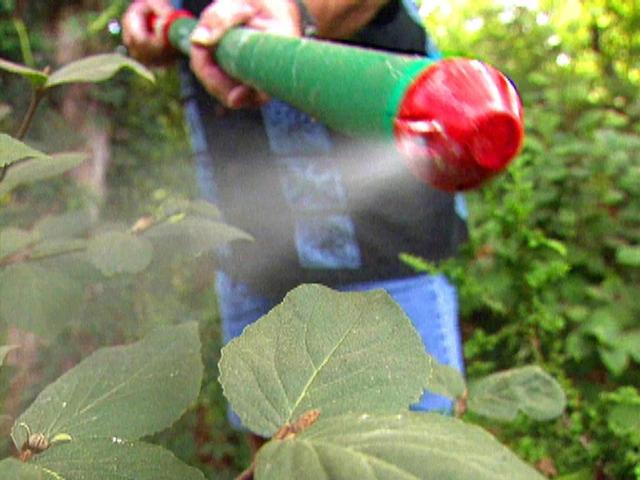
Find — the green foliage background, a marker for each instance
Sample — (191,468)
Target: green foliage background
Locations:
(552,269)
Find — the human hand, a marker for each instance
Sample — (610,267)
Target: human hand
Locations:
(145,44)
(275,16)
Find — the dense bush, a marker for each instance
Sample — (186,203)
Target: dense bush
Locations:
(552,269)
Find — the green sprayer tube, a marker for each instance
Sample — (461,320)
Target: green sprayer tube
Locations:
(353,90)
(458,122)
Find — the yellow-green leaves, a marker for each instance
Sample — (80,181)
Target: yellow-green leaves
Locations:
(12,150)
(39,168)
(92,69)
(96,68)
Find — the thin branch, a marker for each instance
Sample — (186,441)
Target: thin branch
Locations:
(28,255)
(36,98)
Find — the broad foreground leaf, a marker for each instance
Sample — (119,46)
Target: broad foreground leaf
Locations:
(321,349)
(124,392)
(4,351)
(104,459)
(119,252)
(36,77)
(34,297)
(409,446)
(12,150)
(11,468)
(36,169)
(528,389)
(96,68)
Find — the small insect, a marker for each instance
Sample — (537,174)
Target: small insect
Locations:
(38,442)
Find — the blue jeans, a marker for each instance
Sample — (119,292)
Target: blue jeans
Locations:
(430,301)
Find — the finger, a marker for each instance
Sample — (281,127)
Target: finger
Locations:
(210,75)
(218,18)
(135,25)
(282,18)
(161,8)
(243,96)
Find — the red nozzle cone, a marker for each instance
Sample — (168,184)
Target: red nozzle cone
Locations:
(460,123)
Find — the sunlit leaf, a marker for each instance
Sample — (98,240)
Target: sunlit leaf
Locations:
(321,349)
(630,342)
(36,169)
(615,359)
(119,252)
(624,417)
(125,392)
(37,299)
(36,77)
(96,68)
(528,389)
(12,150)
(408,446)
(628,256)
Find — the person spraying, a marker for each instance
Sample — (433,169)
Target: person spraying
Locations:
(326,196)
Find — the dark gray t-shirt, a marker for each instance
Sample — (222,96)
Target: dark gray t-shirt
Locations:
(321,207)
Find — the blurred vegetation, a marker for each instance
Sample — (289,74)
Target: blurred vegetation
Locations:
(552,269)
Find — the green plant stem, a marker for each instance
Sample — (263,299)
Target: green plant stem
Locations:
(36,98)
(25,44)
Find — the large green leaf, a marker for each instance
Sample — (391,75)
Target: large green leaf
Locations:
(321,349)
(194,235)
(113,459)
(36,169)
(15,239)
(96,68)
(36,299)
(119,252)
(528,389)
(12,150)
(4,351)
(104,459)
(124,392)
(403,447)
(36,77)
(13,469)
